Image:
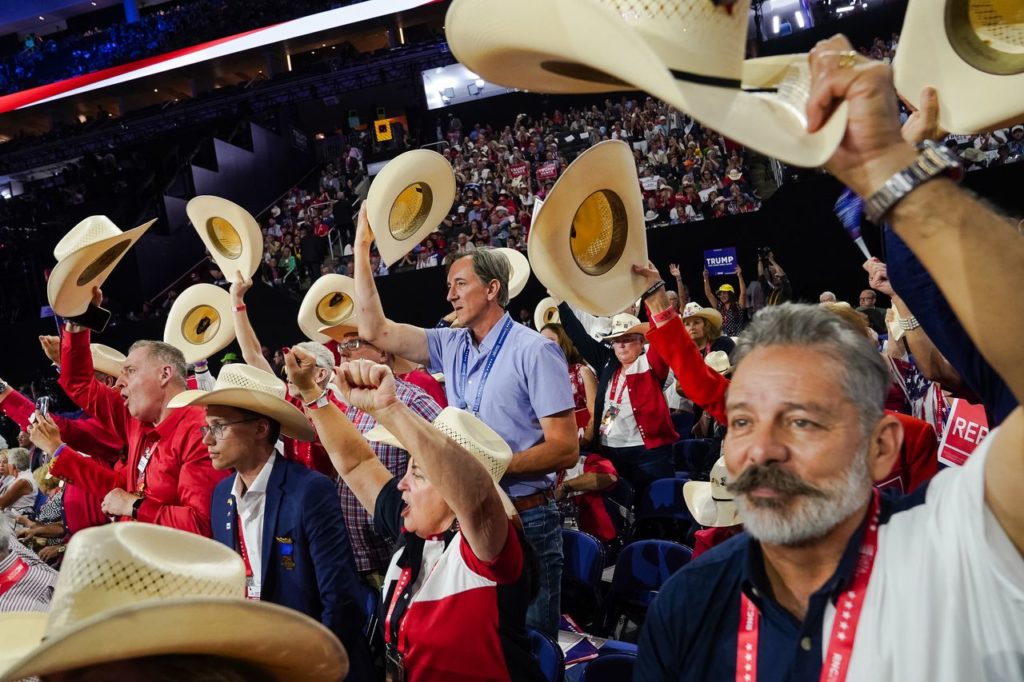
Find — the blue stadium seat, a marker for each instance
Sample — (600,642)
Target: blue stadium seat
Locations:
(584,559)
(640,571)
(683,423)
(548,654)
(609,668)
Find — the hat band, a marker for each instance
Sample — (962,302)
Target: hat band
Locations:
(715,81)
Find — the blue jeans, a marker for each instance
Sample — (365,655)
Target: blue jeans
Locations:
(543,528)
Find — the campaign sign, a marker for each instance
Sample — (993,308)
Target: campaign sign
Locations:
(519,170)
(966,427)
(721,261)
(547,171)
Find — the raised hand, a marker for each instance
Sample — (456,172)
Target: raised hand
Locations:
(44,433)
(648,272)
(51,347)
(301,369)
(878,276)
(239,285)
(366,385)
(673,269)
(364,233)
(923,123)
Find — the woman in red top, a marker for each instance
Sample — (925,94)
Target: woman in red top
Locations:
(581,376)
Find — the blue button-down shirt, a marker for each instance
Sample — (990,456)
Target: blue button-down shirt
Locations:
(691,628)
(529,380)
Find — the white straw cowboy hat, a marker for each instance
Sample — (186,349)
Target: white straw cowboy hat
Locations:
(408,200)
(85,257)
(718,360)
(329,303)
(519,271)
(200,322)
(710,504)
(546,312)
(470,432)
(710,315)
(230,233)
(250,388)
(589,231)
(131,590)
(689,53)
(106,359)
(971,52)
(624,324)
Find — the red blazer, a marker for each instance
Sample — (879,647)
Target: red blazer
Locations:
(179,480)
(87,433)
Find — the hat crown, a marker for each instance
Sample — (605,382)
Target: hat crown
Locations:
(126,564)
(89,231)
(478,438)
(250,378)
(718,360)
(692,308)
(719,479)
(622,322)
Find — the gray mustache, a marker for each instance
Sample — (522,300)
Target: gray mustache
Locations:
(770,476)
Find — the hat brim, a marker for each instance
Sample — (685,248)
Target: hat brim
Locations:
(416,166)
(971,99)
(106,360)
(519,271)
(607,166)
(579,33)
(311,319)
(540,313)
(66,290)
(202,209)
(339,332)
(293,422)
(193,298)
(706,510)
(709,315)
(641,329)
(253,632)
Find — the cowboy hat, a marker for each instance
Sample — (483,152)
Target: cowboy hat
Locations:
(590,46)
(132,590)
(230,233)
(971,56)
(718,360)
(712,316)
(624,324)
(519,271)
(589,232)
(710,504)
(466,429)
(106,359)
(200,322)
(407,200)
(85,257)
(257,390)
(546,312)
(329,303)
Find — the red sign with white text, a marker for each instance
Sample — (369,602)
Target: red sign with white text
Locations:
(519,170)
(966,427)
(547,171)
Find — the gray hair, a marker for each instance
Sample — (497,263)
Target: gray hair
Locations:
(866,379)
(321,353)
(490,264)
(166,354)
(19,458)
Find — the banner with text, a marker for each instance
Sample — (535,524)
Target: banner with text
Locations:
(547,171)
(721,261)
(966,428)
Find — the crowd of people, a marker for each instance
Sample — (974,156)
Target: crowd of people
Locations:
(431,468)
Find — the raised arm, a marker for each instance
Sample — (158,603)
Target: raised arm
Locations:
(459,476)
(252,351)
(710,295)
(673,269)
(741,302)
(350,454)
(404,340)
(79,382)
(594,352)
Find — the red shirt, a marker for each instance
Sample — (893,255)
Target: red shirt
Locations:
(179,480)
(430,385)
(706,538)
(87,433)
(594,517)
(311,454)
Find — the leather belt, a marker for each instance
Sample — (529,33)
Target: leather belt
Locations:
(527,502)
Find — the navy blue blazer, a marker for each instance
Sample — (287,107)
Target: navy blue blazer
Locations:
(306,558)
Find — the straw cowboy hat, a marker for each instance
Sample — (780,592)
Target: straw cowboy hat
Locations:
(85,257)
(407,200)
(710,504)
(467,430)
(106,359)
(971,53)
(590,46)
(710,315)
(718,360)
(200,322)
(623,324)
(589,231)
(230,233)
(131,590)
(546,312)
(250,388)
(328,305)
(519,271)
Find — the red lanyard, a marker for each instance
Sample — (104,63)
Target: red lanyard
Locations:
(620,385)
(403,582)
(844,629)
(14,573)
(140,479)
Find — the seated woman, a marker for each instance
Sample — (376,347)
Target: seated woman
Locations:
(632,420)
(47,532)
(459,584)
(20,494)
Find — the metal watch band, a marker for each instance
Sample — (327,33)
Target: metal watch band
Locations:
(933,161)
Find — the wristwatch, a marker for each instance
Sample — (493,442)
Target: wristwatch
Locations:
(135,507)
(322,401)
(934,160)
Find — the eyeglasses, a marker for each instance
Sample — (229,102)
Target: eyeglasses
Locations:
(218,429)
(354,344)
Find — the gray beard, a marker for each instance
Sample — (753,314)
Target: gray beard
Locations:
(808,518)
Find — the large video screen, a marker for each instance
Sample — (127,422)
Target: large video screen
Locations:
(455,84)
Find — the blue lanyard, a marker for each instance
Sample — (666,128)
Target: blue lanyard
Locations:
(491,357)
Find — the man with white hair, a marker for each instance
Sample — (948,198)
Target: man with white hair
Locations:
(831,579)
(827,297)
